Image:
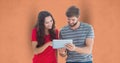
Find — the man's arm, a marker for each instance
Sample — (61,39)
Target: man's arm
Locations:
(62,52)
(85,50)
(88,48)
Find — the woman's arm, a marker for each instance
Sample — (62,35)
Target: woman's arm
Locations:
(40,49)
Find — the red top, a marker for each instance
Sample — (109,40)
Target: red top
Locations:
(49,54)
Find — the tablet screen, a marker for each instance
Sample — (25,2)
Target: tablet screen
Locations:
(60,43)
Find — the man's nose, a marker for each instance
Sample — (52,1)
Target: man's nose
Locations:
(70,21)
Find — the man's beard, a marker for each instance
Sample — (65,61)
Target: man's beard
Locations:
(73,24)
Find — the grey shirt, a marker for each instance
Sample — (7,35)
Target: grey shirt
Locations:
(79,38)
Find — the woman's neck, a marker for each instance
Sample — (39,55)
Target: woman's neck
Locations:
(46,32)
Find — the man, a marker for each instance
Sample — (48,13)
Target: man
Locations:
(82,35)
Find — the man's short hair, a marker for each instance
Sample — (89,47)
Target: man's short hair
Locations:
(73,11)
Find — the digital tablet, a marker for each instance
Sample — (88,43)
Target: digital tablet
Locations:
(60,43)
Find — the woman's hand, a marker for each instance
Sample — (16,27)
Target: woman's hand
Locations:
(49,43)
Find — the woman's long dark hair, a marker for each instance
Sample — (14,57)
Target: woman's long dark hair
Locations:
(41,28)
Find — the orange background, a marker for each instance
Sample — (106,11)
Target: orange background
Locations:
(17,17)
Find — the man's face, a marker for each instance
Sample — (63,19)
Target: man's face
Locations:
(72,21)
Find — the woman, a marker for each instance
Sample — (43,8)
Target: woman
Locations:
(42,35)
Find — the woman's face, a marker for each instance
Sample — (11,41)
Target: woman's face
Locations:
(48,22)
